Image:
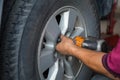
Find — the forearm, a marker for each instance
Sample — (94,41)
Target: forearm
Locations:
(92,59)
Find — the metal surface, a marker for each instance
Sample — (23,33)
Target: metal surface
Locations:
(99,45)
(52,65)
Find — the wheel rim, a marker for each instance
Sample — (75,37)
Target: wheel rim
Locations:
(52,65)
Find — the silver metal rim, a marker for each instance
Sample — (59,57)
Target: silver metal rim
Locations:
(52,65)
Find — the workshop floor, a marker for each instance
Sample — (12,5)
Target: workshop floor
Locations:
(117,25)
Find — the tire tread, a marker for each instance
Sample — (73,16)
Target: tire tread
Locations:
(11,38)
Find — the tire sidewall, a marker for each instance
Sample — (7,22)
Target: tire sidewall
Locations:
(41,12)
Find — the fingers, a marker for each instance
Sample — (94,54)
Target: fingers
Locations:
(64,38)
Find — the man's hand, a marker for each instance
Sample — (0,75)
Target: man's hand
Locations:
(65,46)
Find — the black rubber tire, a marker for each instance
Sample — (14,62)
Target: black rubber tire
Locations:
(22,31)
(7,7)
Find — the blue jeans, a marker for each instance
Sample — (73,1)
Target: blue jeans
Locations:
(100,77)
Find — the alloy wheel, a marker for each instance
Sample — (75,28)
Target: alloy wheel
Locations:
(52,65)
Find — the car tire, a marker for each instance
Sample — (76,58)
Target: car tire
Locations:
(23,36)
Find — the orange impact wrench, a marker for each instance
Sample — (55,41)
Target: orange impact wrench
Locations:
(91,43)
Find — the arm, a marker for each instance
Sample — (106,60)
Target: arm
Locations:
(91,58)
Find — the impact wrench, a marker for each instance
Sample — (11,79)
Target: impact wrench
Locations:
(91,43)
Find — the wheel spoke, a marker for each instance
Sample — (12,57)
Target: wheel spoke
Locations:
(68,70)
(46,59)
(68,20)
(72,20)
(53,71)
(52,31)
(60,74)
(64,22)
